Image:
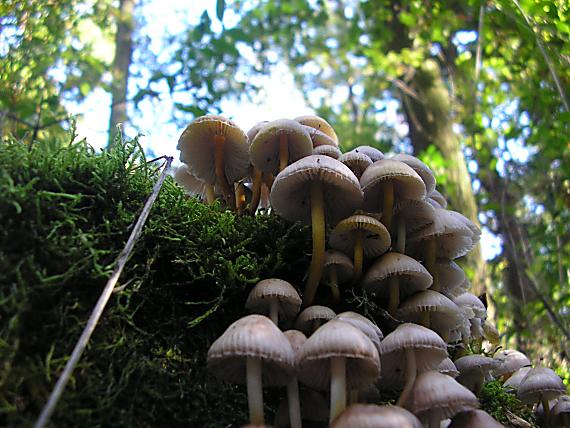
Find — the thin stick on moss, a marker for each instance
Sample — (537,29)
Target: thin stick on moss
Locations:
(102,302)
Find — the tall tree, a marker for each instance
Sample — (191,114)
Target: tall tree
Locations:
(121,63)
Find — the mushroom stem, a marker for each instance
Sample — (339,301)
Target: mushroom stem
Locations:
(401,235)
(283,150)
(220,142)
(240,197)
(333,283)
(358,255)
(274,311)
(255,391)
(424,318)
(210,194)
(338,387)
(294,405)
(318,229)
(256,191)
(546,407)
(388,203)
(411,373)
(394,287)
(429,256)
(434,420)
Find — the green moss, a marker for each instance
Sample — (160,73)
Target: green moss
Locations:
(505,407)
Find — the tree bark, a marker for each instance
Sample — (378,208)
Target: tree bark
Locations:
(430,122)
(120,67)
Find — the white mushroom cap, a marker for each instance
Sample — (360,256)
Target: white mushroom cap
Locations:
(447,367)
(296,338)
(319,138)
(252,336)
(371,330)
(416,213)
(438,198)
(511,360)
(451,277)
(291,191)
(440,394)
(341,262)
(267,290)
(372,152)
(376,239)
(338,339)
(357,162)
(561,408)
(474,369)
(327,150)
(320,124)
(191,184)
(373,416)
(540,383)
(514,381)
(312,314)
(197,148)
(474,419)
(421,168)
(473,303)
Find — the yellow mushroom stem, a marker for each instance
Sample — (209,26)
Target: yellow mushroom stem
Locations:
(338,387)
(401,235)
(256,191)
(221,179)
(283,150)
(546,407)
(333,284)
(388,202)
(411,373)
(318,230)
(394,288)
(358,255)
(240,197)
(210,194)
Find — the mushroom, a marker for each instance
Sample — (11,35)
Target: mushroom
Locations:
(311,318)
(410,349)
(395,274)
(386,181)
(192,185)
(513,382)
(474,419)
(297,339)
(338,355)
(338,269)
(248,347)
(274,296)
(541,385)
(421,168)
(447,367)
(511,360)
(371,330)
(319,124)
(362,236)
(327,150)
(373,416)
(474,371)
(216,151)
(372,152)
(412,215)
(315,189)
(560,413)
(314,411)
(438,198)
(256,174)
(357,162)
(451,278)
(436,396)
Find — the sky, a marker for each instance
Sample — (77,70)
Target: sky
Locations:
(153,119)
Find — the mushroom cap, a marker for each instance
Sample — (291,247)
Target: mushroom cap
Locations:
(327,150)
(319,138)
(560,408)
(540,382)
(430,351)
(438,198)
(191,184)
(296,338)
(341,262)
(197,148)
(338,339)
(412,275)
(264,149)
(511,360)
(421,168)
(451,278)
(291,191)
(490,332)
(407,183)
(447,367)
(473,303)
(372,152)
(437,393)
(357,162)
(253,336)
(266,290)
(514,381)
(320,124)
(371,330)
(416,213)
(474,419)
(373,416)
(308,316)
(474,368)
(254,130)
(376,238)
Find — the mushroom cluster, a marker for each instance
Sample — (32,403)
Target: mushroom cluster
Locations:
(379,228)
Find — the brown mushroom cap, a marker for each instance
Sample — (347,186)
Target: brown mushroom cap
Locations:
(421,168)
(438,198)
(540,383)
(357,162)
(371,330)
(376,239)
(514,381)
(327,150)
(474,419)
(447,367)
(412,276)
(254,130)
(266,290)
(417,214)
(319,124)
(560,409)
(197,148)
(291,191)
(338,339)
(341,262)
(312,314)
(264,149)
(372,152)
(373,416)
(252,336)
(511,360)
(439,394)
(407,183)
(319,138)
(474,369)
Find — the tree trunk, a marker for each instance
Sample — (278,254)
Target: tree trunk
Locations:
(120,68)
(430,122)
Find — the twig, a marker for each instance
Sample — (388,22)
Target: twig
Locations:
(101,303)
